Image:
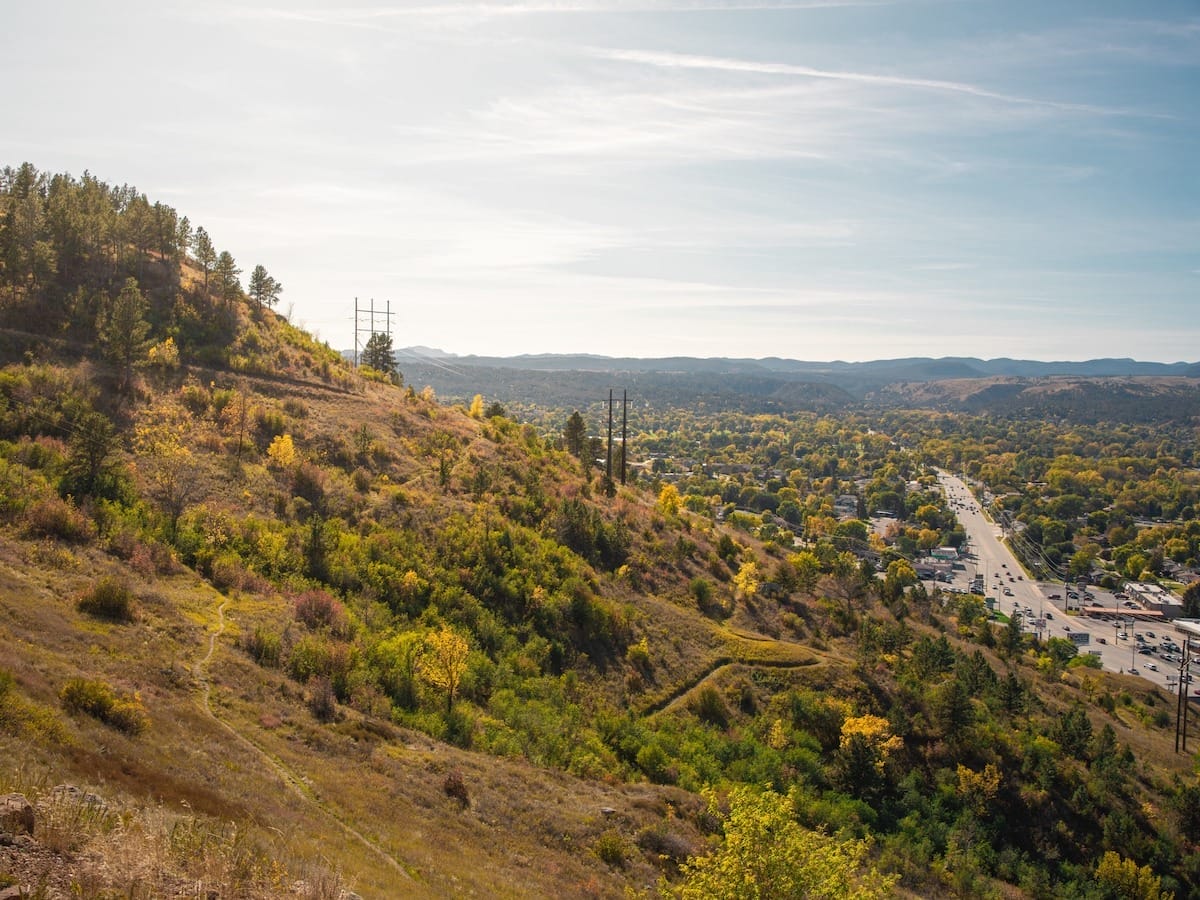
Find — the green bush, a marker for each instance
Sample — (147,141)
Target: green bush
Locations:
(100,701)
(264,646)
(109,598)
(611,848)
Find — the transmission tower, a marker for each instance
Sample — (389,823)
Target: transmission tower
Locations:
(370,316)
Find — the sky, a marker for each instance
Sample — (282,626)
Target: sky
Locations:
(817,180)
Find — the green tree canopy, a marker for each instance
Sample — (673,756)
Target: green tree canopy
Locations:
(122,329)
(263,288)
(378,354)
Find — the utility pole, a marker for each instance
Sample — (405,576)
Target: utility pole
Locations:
(624,401)
(369,329)
(1181,702)
(608,467)
(624,429)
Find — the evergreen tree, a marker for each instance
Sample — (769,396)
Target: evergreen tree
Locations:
(183,236)
(378,353)
(227,274)
(263,288)
(122,329)
(206,254)
(575,435)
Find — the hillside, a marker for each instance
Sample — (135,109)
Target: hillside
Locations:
(291,629)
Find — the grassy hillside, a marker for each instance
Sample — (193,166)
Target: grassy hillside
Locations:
(295,631)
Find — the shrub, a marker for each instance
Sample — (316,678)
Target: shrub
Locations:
(322,701)
(362,480)
(711,708)
(295,408)
(264,646)
(269,423)
(308,481)
(455,788)
(23,717)
(664,844)
(611,848)
(109,598)
(226,571)
(638,656)
(317,609)
(56,518)
(98,700)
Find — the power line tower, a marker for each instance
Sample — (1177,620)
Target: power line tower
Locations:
(1181,701)
(370,316)
(624,401)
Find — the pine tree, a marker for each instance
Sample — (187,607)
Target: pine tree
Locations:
(263,288)
(206,254)
(378,353)
(575,435)
(227,274)
(122,329)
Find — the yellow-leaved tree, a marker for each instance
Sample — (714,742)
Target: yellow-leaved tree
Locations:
(745,582)
(476,410)
(668,500)
(768,854)
(445,661)
(282,451)
(167,465)
(1124,878)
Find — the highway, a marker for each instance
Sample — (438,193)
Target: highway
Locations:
(1000,569)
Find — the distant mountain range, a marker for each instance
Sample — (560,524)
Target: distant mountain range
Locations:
(1100,388)
(887,370)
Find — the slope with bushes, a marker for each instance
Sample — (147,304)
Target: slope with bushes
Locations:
(363,639)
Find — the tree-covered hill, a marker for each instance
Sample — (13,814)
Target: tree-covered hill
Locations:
(299,630)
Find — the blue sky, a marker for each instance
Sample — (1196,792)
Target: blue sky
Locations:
(815,180)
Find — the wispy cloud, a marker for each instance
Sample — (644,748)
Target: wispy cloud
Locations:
(722,64)
(365,16)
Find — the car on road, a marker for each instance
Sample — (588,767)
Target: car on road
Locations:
(1145,651)
(1152,667)
(1101,640)
(1149,634)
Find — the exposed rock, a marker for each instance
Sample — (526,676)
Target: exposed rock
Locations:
(63,792)
(16,814)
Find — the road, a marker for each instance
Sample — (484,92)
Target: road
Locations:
(1001,570)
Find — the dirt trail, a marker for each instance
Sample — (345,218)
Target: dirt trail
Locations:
(295,783)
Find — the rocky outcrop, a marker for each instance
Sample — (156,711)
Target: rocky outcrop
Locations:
(16,814)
